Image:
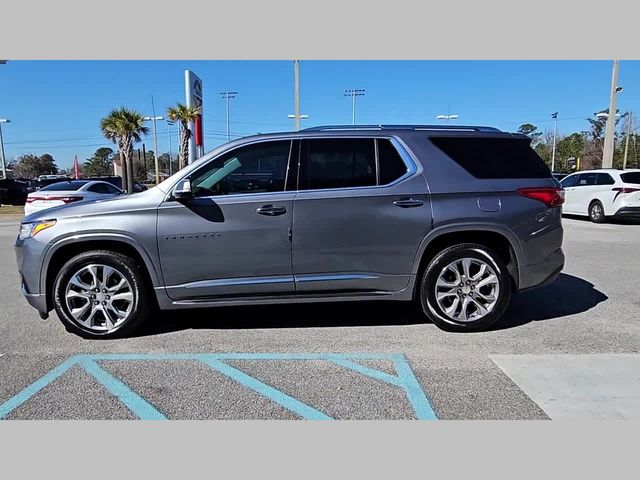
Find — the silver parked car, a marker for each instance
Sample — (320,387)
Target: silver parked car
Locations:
(455,218)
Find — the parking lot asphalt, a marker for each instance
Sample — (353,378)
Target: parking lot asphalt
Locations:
(374,360)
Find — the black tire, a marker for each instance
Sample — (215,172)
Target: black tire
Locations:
(142,299)
(596,212)
(427,290)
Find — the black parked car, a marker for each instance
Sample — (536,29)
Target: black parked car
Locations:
(4,196)
(17,191)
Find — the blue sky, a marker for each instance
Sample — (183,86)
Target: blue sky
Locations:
(56,106)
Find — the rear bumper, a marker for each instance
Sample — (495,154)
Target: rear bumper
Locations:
(628,212)
(542,273)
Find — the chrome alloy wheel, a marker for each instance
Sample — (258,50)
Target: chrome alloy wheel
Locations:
(99,297)
(596,211)
(467,289)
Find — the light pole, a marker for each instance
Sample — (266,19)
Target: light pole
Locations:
(447,117)
(155,145)
(353,93)
(607,154)
(169,125)
(227,96)
(555,135)
(4,166)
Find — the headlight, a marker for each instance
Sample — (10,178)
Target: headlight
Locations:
(32,229)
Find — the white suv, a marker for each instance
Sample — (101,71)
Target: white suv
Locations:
(603,193)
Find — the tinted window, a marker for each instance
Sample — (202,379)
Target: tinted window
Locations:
(569,181)
(587,179)
(66,186)
(389,162)
(486,157)
(98,188)
(338,163)
(631,177)
(113,190)
(261,167)
(604,179)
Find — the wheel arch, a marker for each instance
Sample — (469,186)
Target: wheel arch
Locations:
(497,238)
(64,250)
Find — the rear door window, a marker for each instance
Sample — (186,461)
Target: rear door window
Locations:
(337,163)
(487,157)
(605,179)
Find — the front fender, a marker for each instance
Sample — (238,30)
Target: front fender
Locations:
(154,273)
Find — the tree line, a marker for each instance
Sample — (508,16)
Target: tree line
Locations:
(583,150)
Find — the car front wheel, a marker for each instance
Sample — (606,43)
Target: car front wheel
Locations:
(465,287)
(101,294)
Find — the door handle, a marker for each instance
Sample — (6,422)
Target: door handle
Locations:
(408,203)
(271,211)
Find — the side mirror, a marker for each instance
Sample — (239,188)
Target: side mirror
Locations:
(182,191)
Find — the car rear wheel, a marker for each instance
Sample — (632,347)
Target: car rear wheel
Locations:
(596,212)
(465,287)
(101,294)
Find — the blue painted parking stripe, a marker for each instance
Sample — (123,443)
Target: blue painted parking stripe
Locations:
(369,372)
(134,402)
(14,402)
(416,396)
(281,398)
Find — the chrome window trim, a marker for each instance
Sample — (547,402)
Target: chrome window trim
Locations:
(405,154)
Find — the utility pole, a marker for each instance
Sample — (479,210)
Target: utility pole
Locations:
(607,154)
(227,96)
(626,142)
(353,93)
(296,92)
(155,145)
(555,135)
(2,159)
(144,158)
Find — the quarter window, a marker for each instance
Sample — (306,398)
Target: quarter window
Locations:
(257,168)
(389,162)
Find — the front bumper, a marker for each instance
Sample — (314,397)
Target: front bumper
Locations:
(29,256)
(542,273)
(36,300)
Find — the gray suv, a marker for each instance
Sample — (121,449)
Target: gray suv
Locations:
(454,218)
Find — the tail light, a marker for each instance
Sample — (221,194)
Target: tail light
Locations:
(620,190)
(550,196)
(58,199)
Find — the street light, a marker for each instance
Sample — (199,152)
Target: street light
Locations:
(446,117)
(298,117)
(226,96)
(4,166)
(353,93)
(155,144)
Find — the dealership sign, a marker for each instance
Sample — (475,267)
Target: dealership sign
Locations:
(193,96)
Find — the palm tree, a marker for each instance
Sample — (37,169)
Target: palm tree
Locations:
(124,127)
(183,114)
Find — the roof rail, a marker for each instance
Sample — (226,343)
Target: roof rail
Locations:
(324,128)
